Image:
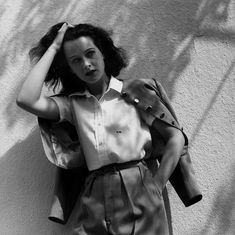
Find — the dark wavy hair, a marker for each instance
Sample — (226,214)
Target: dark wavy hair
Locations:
(115,58)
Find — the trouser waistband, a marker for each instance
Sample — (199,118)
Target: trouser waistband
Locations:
(115,167)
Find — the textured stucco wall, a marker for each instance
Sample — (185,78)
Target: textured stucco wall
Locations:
(188,45)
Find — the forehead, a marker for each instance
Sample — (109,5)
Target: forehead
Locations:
(78,45)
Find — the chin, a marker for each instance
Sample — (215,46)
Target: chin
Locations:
(92,80)
(95,78)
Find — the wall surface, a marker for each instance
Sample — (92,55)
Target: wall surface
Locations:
(188,45)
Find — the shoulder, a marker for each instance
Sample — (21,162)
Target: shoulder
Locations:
(60,98)
(153,82)
(63,103)
(142,87)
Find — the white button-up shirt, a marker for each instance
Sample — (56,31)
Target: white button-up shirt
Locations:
(109,129)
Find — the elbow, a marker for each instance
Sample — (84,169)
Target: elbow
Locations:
(19,101)
(177,141)
(22,102)
(180,139)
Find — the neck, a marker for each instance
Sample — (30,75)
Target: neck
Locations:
(97,89)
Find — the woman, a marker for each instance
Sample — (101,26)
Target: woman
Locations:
(120,194)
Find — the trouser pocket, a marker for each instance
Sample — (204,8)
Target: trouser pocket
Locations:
(149,181)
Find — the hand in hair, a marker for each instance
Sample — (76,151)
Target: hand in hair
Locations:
(29,97)
(60,35)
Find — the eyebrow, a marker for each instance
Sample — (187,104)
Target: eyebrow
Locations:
(90,48)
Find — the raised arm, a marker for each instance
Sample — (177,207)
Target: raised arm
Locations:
(29,97)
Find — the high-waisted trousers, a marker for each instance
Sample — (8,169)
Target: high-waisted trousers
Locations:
(122,199)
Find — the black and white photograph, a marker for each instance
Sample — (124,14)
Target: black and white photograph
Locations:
(117,117)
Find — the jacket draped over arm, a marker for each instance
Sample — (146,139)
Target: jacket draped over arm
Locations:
(62,148)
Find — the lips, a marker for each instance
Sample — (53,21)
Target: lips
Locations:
(90,73)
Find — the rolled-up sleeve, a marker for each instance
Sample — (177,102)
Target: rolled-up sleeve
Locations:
(64,106)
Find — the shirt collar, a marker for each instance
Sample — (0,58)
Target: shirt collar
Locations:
(114,84)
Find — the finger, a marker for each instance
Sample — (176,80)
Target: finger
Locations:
(70,25)
(63,27)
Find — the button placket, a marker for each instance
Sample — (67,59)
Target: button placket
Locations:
(99,128)
(95,120)
(97,123)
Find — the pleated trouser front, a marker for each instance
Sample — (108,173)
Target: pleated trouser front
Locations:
(121,202)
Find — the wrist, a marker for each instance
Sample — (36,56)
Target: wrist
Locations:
(160,181)
(53,48)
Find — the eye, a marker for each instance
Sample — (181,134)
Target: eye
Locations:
(90,53)
(76,61)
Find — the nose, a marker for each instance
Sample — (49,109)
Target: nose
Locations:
(87,64)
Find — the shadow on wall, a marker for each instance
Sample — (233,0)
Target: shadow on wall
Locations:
(158,36)
(213,100)
(224,203)
(25,188)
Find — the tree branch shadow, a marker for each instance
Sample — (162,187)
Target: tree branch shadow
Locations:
(212,101)
(222,222)
(160,43)
(170,30)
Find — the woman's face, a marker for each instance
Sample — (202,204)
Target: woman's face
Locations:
(85,59)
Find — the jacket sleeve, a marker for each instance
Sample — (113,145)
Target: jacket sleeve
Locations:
(150,99)
(66,192)
(183,178)
(62,148)
(61,144)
